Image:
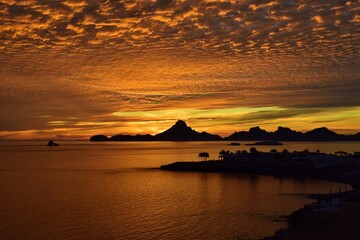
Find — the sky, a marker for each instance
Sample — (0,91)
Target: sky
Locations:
(70,69)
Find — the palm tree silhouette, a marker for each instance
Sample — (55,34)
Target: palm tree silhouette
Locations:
(203,156)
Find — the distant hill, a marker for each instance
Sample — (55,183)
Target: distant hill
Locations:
(322,134)
(99,138)
(286,134)
(356,137)
(181,132)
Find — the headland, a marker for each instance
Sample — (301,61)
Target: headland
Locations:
(331,216)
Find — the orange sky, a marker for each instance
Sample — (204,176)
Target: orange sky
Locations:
(70,69)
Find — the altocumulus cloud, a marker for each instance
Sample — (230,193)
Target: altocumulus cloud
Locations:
(229,26)
(88,59)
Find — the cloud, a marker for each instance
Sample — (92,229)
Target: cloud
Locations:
(85,59)
(229,26)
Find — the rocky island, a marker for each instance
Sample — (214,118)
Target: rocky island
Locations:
(265,143)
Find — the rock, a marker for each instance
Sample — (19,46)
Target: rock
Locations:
(52,143)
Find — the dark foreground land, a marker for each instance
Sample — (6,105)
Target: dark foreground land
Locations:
(332,216)
(310,223)
(325,220)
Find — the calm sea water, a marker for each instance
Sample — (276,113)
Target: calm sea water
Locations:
(83,190)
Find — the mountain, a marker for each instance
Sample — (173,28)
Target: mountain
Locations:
(178,132)
(181,132)
(287,134)
(259,133)
(254,134)
(322,134)
(357,136)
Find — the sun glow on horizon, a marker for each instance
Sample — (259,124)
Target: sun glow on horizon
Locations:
(216,121)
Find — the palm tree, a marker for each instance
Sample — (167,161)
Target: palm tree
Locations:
(203,156)
(222,154)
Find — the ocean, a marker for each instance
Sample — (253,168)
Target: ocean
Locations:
(114,190)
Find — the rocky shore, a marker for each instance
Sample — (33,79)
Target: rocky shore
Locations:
(331,216)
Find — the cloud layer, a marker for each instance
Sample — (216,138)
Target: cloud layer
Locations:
(85,60)
(261,26)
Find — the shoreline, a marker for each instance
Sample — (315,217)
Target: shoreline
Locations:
(331,174)
(303,222)
(310,221)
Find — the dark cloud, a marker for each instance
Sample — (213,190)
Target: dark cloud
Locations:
(89,10)
(163,4)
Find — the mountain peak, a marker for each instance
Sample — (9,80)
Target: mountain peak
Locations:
(281,129)
(257,129)
(181,132)
(322,129)
(322,133)
(180,123)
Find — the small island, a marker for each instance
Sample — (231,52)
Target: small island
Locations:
(51,143)
(234,144)
(265,143)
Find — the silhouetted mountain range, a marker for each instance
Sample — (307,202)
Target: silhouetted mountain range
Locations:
(181,132)
(286,134)
(178,132)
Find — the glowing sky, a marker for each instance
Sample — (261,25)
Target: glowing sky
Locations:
(73,68)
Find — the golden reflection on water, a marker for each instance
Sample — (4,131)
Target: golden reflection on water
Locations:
(109,191)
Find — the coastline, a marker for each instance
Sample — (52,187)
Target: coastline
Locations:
(324,222)
(265,169)
(313,220)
